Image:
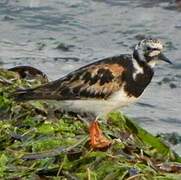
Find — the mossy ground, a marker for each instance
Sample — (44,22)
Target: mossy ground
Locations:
(38,143)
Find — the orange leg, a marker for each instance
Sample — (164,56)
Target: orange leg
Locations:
(97,139)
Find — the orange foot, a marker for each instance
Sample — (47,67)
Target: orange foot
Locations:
(97,139)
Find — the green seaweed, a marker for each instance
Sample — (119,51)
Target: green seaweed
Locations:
(35,143)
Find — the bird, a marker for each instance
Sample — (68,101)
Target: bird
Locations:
(102,86)
(28,72)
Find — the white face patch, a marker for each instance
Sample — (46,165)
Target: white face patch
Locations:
(154,53)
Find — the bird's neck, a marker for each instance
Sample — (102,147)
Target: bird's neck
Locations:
(141,61)
(139,57)
(140,77)
(138,64)
(141,69)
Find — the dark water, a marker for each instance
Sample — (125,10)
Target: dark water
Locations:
(58,36)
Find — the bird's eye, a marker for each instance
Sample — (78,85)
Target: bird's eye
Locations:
(149,48)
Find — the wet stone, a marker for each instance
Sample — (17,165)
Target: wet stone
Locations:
(172,85)
(64,47)
(8,18)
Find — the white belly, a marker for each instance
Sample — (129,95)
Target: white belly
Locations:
(97,106)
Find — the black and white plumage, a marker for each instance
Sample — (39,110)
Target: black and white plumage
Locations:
(105,85)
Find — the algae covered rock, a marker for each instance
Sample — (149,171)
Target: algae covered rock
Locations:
(36,142)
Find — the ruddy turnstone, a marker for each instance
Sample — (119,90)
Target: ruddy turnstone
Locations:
(102,86)
(28,72)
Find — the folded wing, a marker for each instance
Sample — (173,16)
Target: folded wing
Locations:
(97,80)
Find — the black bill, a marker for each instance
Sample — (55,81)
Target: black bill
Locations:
(164,58)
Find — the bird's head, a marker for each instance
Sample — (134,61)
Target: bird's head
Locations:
(150,51)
